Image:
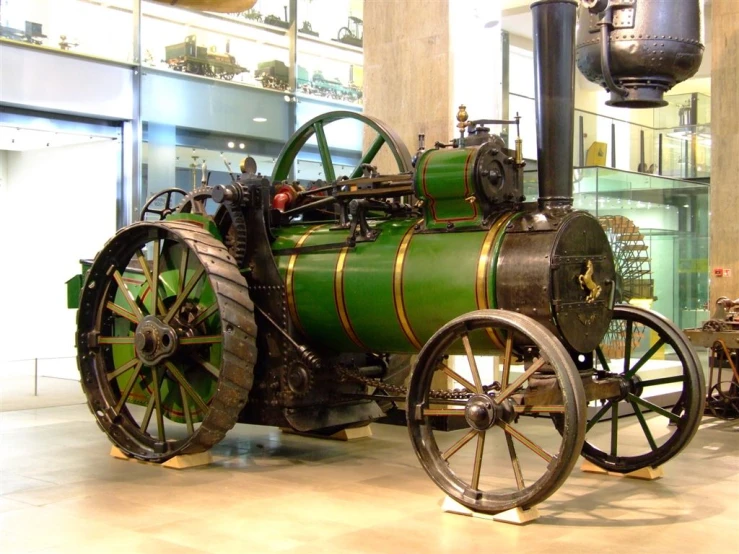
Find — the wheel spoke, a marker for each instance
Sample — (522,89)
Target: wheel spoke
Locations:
(184,261)
(457,377)
(453,449)
(115,340)
(121,370)
(653,407)
(147,415)
(127,295)
(539,409)
(627,345)
(158,403)
(213,370)
(369,156)
(518,382)
(602,358)
(188,388)
(614,429)
(473,364)
(323,150)
(205,314)
(663,381)
(528,443)
(184,294)
(129,387)
(443,412)
(205,339)
(155,300)
(507,359)
(599,414)
(186,409)
(478,460)
(644,426)
(116,309)
(645,358)
(514,462)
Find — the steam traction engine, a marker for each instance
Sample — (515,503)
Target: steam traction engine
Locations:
(264,302)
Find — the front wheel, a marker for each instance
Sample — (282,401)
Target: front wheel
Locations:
(506,422)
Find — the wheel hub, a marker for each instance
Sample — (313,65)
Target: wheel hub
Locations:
(154,340)
(632,385)
(482,413)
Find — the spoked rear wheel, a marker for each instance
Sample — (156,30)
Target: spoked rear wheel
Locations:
(504,454)
(663,385)
(165,332)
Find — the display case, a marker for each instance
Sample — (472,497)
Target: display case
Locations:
(658,230)
(252,47)
(683,135)
(329,50)
(96,28)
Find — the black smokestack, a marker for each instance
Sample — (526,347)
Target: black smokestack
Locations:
(554,66)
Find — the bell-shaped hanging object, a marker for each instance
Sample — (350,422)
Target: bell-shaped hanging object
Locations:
(222,6)
(639,49)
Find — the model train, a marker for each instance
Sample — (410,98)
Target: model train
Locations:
(275,74)
(300,308)
(189,57)
(32,34)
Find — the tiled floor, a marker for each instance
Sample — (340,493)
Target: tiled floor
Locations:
(60,491)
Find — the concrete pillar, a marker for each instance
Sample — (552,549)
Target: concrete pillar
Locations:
(725,149)
(406,67)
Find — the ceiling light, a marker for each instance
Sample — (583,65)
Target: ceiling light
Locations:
(231,144)
(242,145)
(259,119)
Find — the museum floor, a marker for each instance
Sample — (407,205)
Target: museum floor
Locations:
(271,492)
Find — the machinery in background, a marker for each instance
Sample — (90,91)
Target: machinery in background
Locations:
(720,334)
(32,34)
(198,60)
(353,33)
(275,21)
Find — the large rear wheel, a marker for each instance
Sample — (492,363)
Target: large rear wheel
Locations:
(166,340)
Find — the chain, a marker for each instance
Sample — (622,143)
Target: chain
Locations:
(397,390)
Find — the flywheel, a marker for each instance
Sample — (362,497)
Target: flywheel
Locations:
(166,340)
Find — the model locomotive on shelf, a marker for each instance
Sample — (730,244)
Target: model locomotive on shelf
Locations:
(275,74)
(32,34)
(198,60)
(265,302)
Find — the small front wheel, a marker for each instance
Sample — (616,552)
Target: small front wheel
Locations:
(499,451)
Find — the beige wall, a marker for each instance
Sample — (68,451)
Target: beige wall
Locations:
(725,148)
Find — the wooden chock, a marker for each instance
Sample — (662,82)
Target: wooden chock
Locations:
(646,473)
(589,467)
(517,516)
(183,461)
(348,434)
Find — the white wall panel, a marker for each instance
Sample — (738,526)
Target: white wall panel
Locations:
(50,220)
(66,84)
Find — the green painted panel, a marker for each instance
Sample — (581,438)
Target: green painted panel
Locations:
(439,279)
(440,282)
(368,288)
(443,181)
(313,286)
